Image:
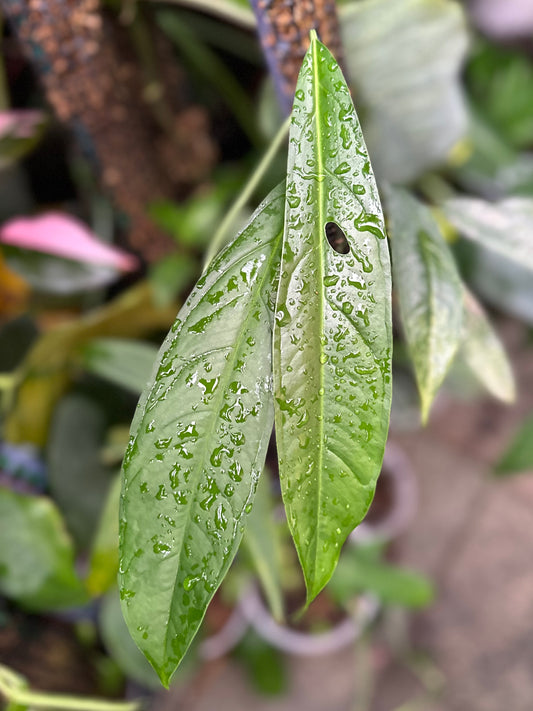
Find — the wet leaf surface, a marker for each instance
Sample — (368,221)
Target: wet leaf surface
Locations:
(198,444)
(332,337)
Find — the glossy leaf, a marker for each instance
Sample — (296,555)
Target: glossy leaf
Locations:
(124,362)
(198,444)
(36,555)
(519,456)
(484,353)
(429,290)
(405,58)
(332,337)
(262,541)
(504,227)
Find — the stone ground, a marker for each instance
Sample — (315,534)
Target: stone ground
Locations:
(473,535)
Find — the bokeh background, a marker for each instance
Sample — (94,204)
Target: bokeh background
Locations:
(129,132)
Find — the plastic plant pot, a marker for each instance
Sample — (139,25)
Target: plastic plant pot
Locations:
(221,642)
(308,644)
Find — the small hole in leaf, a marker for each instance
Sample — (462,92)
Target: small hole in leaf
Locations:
(336,238)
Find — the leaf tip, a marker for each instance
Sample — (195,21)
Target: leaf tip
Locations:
(426,400)
(313,36)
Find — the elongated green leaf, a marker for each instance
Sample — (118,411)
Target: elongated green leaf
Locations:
(198,444)
(405,59)
(332,337)
(504,227)
(263,543)
(361,571)
(519,455)
(120,646)
(77,477)
(36,555)
(122,361)
(103,565)
(430,292)
(484,353)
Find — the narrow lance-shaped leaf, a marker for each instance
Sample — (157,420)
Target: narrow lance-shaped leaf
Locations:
(519,455)
(429,290)
(103,563)
(122,361)
(504,227)
(262,541)
(198,444)
(332,337)
(484,353)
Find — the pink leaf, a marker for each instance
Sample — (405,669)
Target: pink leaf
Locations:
(20,124)
(64,236)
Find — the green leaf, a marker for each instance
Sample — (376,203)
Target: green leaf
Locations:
(504,227)
(171,276)
(405,58)
(484,353)
(502,283)
(262,540)
(122,361)
(36,555)
(56,276)
(332,337)
(429,290)
(500,81)
(358,571)
(77,477)
(519,456)
(198,444)
(119,644)
(103,564)
(265,665)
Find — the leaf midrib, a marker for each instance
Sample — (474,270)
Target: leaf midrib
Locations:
(319,248)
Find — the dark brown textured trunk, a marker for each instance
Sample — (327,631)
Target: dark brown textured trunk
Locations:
(284,27)
(95,85)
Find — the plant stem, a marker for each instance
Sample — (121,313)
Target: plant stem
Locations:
(11,686)
(220,235)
